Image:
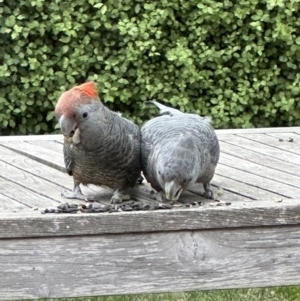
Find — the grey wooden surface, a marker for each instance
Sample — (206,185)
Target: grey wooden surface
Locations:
(254,241)
(152,262)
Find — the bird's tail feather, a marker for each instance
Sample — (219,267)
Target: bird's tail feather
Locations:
(163,110)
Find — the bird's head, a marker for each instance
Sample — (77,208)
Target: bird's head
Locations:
(75,105)
(176,172)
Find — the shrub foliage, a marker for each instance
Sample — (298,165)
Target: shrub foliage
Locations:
(237,61)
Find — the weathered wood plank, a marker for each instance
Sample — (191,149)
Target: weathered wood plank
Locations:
(50,176)
(247,214)
(59,137)
(25,196)
(7,203)
(271,187)
(235,190)
(220,187)
(62,181)
(258,158)
(37,153)
(51,144)
(261,148)
(287,139)
(46,137)
(26,164)
(289,147)
(140,192)
(263,171)
(21,184)
(286,136)
(150,262)
(258,130)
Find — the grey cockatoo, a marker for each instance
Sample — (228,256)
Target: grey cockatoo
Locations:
(178,150)
(100,146)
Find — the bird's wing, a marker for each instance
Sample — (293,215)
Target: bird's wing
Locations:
(147,147)
(68,158)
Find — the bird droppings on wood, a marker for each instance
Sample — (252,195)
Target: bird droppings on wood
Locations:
(278,200)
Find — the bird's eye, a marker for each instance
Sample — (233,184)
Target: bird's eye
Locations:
(159,172)
(85,114)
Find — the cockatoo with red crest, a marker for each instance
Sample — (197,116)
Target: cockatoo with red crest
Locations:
(100,146)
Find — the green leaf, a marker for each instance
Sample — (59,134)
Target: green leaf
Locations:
(103,9)
(137,8)
(98,5)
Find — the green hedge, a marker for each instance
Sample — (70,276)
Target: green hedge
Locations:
(237,61)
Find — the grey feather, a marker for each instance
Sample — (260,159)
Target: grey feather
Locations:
(179,148)
(106,152)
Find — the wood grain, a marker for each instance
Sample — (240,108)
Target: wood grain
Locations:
(31,197)
(54,145)
(271,187)
(290,147)
(45,137)
(50,158)
(286,136)
(37,187)
(258,158)
(149,262)
(235,190)
(222,189)
(46,179)
(263,171)
(59,137)
(7,203)
(246,214)
(259,130)
(29,165)
(252,242)
(262,148)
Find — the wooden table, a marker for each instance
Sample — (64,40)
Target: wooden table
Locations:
(250,238)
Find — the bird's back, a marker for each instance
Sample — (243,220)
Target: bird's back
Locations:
(169,130)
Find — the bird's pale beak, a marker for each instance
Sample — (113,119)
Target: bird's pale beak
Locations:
(172,191)
(67,125)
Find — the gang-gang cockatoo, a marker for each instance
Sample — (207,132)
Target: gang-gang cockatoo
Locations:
(178,150)
(100,146)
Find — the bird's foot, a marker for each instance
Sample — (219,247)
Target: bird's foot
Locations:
(77,194)
(118,197)
(208,192)
(140,179)
(158,196)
